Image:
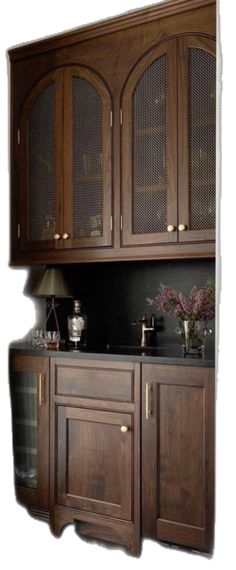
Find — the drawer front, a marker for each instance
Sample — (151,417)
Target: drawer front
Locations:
(106,381)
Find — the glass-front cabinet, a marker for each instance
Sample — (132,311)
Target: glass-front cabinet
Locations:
(29,385)
(64,140)
(169,144)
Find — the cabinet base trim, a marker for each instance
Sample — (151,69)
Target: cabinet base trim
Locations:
(179,533)
(98,527)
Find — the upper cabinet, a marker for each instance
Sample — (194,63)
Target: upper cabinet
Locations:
(65,163)
(168,144)
(114,139)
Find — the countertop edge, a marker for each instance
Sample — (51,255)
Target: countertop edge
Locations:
(180,360)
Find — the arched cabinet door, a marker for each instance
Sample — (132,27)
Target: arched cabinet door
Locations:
(197,138)
(149,149)
(39,165)
(65,163)
(87,166)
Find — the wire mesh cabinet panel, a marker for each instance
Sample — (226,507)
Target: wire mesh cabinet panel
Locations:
(149,145)
(169,145)
(29,384)
(65,163)
(87,153)
(40,175)
(197,139)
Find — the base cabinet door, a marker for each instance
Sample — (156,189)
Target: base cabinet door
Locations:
(29,385)
(178,454)
(94,451)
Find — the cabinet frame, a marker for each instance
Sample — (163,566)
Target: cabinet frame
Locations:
(123,523)
(39,497)
(209,45)
(127,237)
(24,243)
(63,150)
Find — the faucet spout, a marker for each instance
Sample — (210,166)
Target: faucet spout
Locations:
(144,329)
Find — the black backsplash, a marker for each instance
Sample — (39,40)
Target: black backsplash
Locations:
(115,294)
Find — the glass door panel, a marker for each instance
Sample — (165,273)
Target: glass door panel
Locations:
(24,412)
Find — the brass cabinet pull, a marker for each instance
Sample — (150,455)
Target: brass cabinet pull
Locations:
(124,429)
(57,236)
(40,388)
(181,227)
(148,411)
(170,228)
(65,236)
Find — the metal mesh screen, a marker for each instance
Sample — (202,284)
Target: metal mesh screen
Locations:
(41,149)
(87,160)
(149,193)
(202,66)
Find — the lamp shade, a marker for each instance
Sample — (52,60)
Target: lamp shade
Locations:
(52,284)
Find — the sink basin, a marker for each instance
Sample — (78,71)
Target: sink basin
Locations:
(143,350)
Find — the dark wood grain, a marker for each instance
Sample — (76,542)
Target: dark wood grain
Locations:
(167,251)
(121,22)
(95,382)
(178,455)
(105,490)
(103,55)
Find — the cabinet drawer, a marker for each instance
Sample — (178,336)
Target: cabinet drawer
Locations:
(95,379)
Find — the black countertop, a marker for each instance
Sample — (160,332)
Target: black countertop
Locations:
(171,354)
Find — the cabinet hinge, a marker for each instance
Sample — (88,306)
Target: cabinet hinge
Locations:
(111,223)
(121,117)
(111,119)
(121,223)
(18,231)
(18,136)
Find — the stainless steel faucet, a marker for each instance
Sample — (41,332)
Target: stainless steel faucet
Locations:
(145,328)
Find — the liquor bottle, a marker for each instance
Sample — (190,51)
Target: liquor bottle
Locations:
(77,327)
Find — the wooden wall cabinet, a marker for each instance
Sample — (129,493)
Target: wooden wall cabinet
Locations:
(127,458)
(113,139)
(169,107)
(65,163)
(29,385)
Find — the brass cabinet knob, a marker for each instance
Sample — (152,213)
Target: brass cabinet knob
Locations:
(65,236)
(57,236)
(181,227)
(170,228)
(124,429)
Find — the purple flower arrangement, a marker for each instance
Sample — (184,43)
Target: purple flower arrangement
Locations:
(199,306)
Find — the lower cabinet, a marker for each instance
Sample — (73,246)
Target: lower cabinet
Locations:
(95,458)
(101,444)
(101,416)
(178,454)
(29,386)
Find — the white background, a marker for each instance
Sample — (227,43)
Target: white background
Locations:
(26,543)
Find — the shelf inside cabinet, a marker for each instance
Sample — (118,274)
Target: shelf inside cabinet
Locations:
(150,131)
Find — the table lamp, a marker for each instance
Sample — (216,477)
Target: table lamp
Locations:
(51,285)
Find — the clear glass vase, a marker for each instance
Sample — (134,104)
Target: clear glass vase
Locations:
(193,335)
